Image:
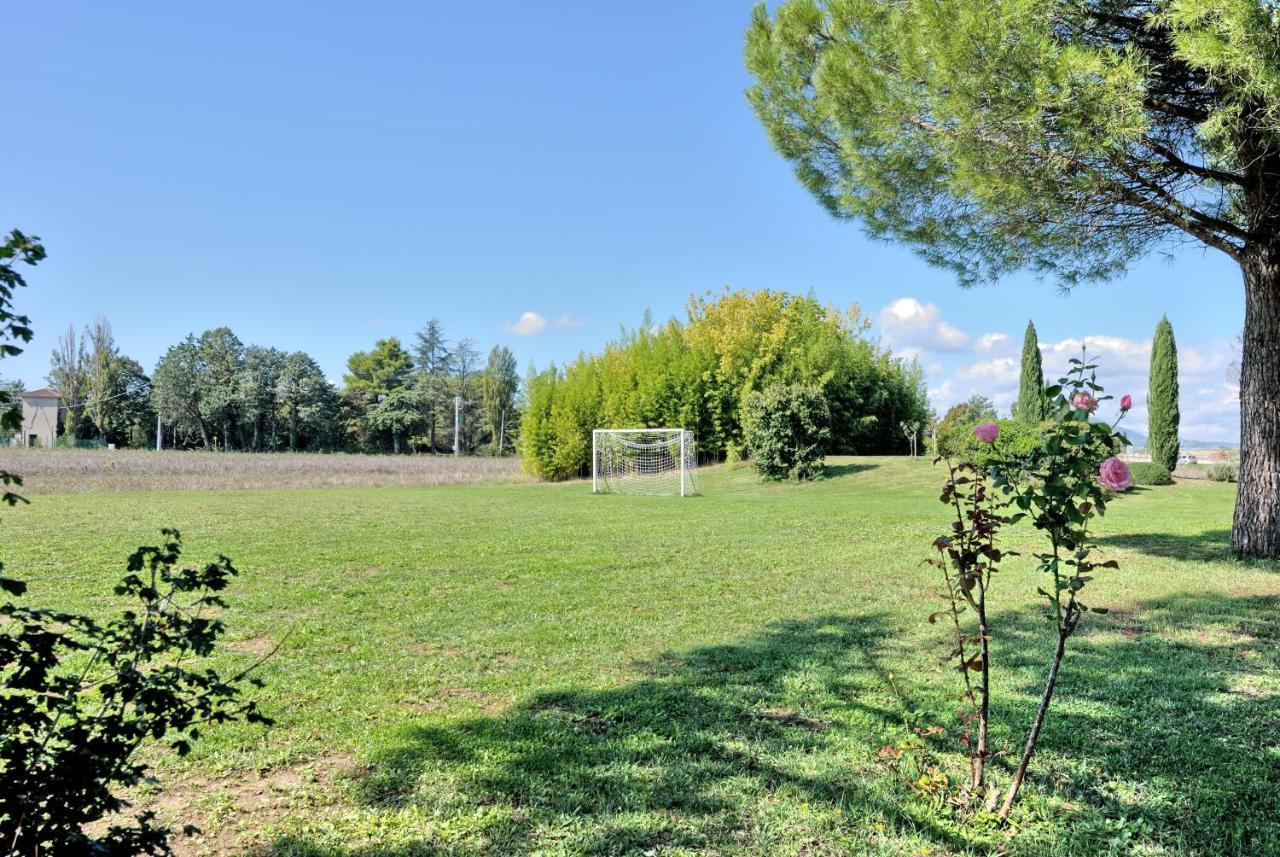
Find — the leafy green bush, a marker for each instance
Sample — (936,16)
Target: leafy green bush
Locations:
(78,697)
(786,430)
(1150,473)
(955,430)
(1016,441)
(1222,472)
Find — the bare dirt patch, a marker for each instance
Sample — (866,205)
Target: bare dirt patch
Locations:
(259,646)
(232,813)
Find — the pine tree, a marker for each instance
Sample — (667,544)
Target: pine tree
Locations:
(1067,139)
(1031,404)
(1162,398)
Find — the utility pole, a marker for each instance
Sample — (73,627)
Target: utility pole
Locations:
(159,434)
(457,424)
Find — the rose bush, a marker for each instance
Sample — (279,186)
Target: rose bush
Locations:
(1059,482)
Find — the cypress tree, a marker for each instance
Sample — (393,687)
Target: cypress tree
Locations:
(1162,398)
(1031,404)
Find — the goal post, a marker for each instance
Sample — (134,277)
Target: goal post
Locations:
(654,461)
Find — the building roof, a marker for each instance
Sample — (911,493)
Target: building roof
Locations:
(44,393)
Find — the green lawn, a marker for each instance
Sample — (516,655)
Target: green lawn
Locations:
(527,668)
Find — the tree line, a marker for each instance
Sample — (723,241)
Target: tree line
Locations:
(211,391)
(698,374)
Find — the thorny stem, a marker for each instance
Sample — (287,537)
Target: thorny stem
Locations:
(981,705)
(1067,621)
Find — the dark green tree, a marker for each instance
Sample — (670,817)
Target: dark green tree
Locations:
(258,405)
(1032,403)
(431,358)
(398,414)
(130,419)
(1162,398)
(379,371)
(177,390)
(1068,138)
(307,402)
(221,366)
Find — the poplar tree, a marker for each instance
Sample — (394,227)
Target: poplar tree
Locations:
(1162,398)
(67,374)
(1031,404)
(1064,138)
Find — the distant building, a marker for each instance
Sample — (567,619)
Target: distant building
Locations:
(40,409)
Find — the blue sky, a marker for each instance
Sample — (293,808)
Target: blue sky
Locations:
(319,175)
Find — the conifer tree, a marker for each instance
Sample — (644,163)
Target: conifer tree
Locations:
(1162,398)
(1031,403)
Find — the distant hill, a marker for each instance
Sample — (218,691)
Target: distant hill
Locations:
(1139,441)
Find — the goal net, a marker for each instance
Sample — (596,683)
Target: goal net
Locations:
(660,462)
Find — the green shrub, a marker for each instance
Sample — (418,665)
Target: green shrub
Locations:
(1222,472)
(79,696)
(1150,473)
(786,430)
(1016,441)
(955,431)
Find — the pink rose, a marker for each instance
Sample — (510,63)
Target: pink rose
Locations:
(986,432)
(1084,401)
(1126,402)
(1114,474)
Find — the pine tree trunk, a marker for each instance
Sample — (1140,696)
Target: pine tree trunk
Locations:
(1256,530)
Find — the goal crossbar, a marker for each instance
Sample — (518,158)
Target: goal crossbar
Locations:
(655,461)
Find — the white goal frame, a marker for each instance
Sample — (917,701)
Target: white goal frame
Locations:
(663,453)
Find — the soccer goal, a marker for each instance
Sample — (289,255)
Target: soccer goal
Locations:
(657,461)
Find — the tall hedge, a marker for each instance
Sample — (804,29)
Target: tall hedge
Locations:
(1162,398)
(1032,403)
(697,374)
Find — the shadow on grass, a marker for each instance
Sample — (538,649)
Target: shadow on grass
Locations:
(1162,737)
(1209,546)
(833,471)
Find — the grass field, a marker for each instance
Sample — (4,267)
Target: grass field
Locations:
(525,668)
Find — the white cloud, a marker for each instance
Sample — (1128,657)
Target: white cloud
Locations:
(989,342)
(529,324)
(1209,402)
(907,323)
(1002,370)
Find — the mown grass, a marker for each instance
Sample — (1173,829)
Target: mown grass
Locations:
(525,668)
